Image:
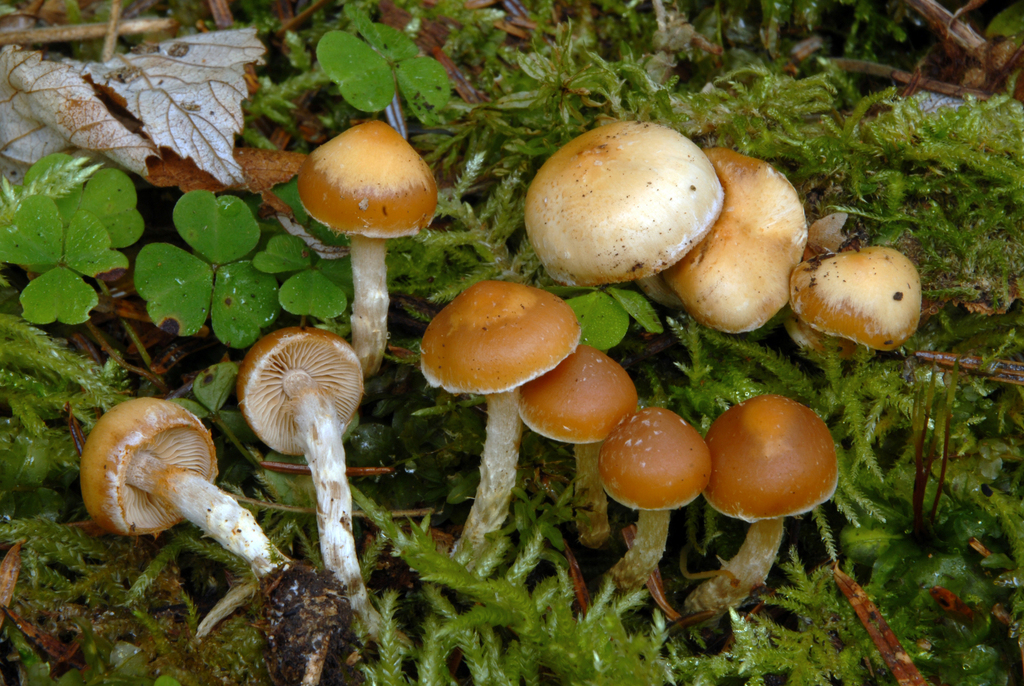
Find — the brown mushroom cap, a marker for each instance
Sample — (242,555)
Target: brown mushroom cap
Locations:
(654,460)
(737,277)
(579,401)
(619,203)
(770,457)
(280,359)
(871,296)
(368,181)
(496,336)
(167,432)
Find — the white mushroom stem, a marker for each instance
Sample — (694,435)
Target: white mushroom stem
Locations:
(370,304)
(208,507)
(648,548)
(497,470)
(749,568)
(321,432)
(591,501)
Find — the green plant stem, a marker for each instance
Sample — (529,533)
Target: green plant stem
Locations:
(222,425)
(109,350)
(143,353)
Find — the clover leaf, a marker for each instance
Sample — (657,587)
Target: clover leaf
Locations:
(320,288)
(110,195)
(181,288)
(603,320)
(366,73)
(214,384)
(62,254)
(639,308)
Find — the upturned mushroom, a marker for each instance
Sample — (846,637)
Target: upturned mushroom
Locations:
(737,277)
(771,458)
(491,339)
(580,401)
(298,389)
(148,464)
(371,184)
(870,296)
(620,202)
(653,462)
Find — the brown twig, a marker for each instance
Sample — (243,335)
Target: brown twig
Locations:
(222,17)
(997,370)
(153,378)
(292,468)
(579,585)
(110,40)
(300,18)
(421,512)
(905,77)
(946,25)
(63,34)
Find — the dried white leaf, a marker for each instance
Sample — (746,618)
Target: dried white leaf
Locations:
(188,93)
(47,107)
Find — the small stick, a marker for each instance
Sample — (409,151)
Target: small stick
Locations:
(300,19)
(292,468)
(903,77)
(421,512)
(222,17)
(68,34)
(945,24)
(999,370)
(98,335)
(110,40)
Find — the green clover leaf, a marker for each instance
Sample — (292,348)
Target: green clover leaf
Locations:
(603,320)
(214,384)
(424,83)
(110,195)
(362,75)
(244,301)
(58,294)
(311,292)
(284,253)
(220,230)
(639,308)
(321,288)
(87,248)
(36,238)
(67,204)
(176,286)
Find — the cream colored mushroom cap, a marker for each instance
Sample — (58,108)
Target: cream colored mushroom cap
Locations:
(737,277)
(166,431)
(368,181)
(496,336)
(619,203)
(328,360)
(871,296)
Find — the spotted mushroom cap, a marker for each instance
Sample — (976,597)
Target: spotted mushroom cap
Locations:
(329,361)
(871,296)
(770,457)
(166,431)
(368,181)
(579,401)
(737,277)
(654,460)
(620,202)
(496,336)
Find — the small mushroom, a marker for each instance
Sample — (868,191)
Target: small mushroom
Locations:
(620,202)
(491,339)
(653,462)
(580,401)
(371,184)
(771,458)
(298,389)
(871,296)
(737,277)
(148,464)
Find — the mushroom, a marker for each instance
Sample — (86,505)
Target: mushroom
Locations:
(653,462)
(737,277)
(580,401)
(150,463)
(871,296)
(771,458)
(491,339)
(371,184)
(620,202)
(298,389)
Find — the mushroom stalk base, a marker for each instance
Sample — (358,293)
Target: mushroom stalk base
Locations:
(497,470)
(370,304)
(321,431)
(750,566)
(209,508)
(591,501)
(648,547)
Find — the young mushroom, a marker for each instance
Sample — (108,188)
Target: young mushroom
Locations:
(580,401)
(620,202)
(653,462)
(371,184)
(737,277)
(771,458)
(871,296)
(491,339)
(298,389)
(150,463)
